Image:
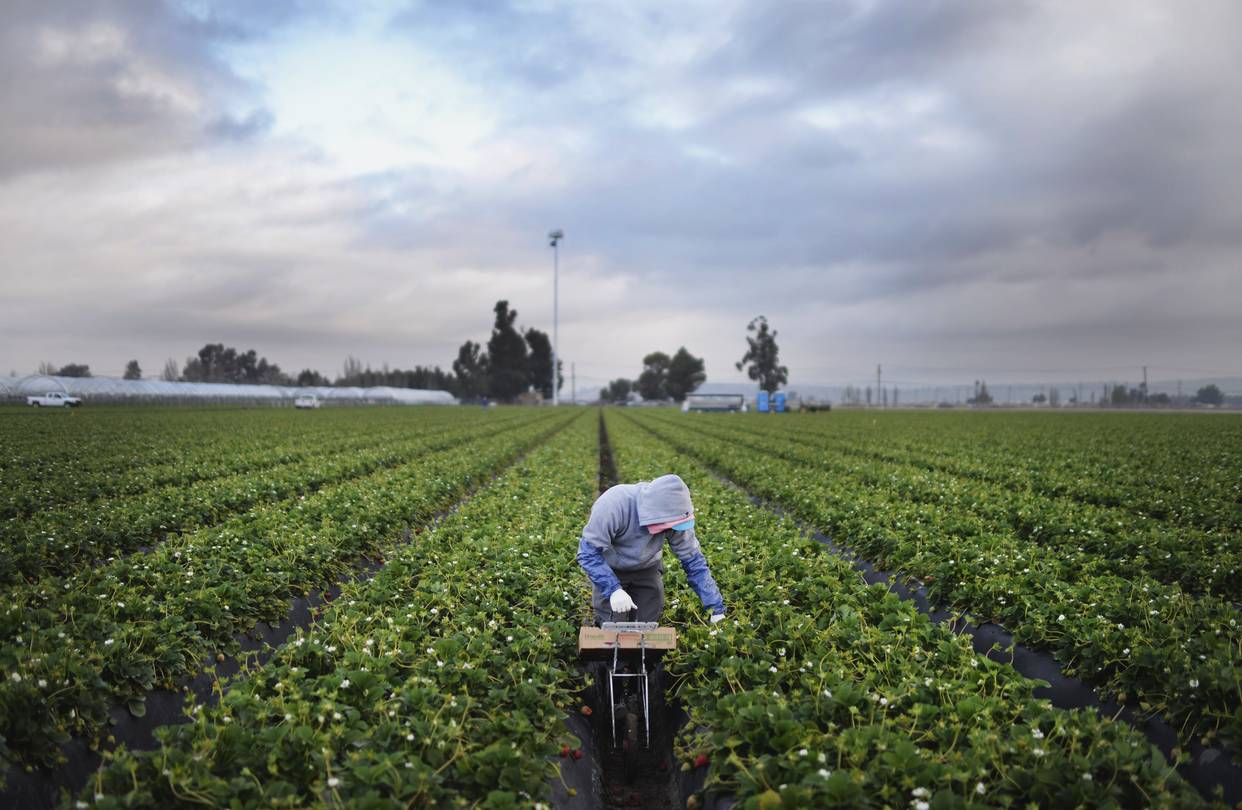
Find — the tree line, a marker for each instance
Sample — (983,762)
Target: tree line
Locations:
(512,363)
(663,377)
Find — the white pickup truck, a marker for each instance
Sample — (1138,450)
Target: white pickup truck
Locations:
(54,399)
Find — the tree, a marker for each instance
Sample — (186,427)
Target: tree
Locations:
(506,352)
(653,381)
(1210,395)
(217,363)
(170,373)
(617,391)
(351,370)
(761,358)
(539,363)
(354,373)
(309,378)
(133,371)
(47,369)
(1039,399)
(432,379)
(74,370)
(685,373)
(470,367)
(982,395)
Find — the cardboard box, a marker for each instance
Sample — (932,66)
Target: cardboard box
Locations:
(595,639)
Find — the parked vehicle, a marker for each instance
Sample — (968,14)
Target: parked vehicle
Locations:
(54,399)
(307,401)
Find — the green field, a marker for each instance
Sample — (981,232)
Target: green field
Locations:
(140,545)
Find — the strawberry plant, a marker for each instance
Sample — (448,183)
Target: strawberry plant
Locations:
(444,681)
(819,691)
(106,635)
(1171,652)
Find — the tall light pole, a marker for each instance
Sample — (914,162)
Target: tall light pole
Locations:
(554,237)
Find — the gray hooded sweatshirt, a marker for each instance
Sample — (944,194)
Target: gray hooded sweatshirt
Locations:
(615,537)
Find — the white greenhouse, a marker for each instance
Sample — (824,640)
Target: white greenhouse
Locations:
(112,390)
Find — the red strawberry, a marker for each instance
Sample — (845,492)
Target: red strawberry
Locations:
(577,753)
(564,751)
(586,711)
(701,760)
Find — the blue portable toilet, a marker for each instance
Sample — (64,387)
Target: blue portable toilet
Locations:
(761,402)
(779,398)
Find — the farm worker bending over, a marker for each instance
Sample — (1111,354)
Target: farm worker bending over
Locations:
(622,546)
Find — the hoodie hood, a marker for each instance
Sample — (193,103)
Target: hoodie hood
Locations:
(664,500)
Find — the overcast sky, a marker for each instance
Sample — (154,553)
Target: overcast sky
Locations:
(953,189)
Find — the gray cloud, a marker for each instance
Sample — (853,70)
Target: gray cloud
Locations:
(92,82)
(1056,181)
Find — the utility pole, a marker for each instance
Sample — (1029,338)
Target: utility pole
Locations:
(555,237)
(1144,385)
(878,387)
(573,383)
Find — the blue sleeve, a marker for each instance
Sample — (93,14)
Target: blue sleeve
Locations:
(596,538)
(591,558)
(686,548)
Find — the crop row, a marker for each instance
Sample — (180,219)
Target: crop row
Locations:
(442,682)
(819,691)
(73,454)
(106,635)
(1097,539)
(1176,468)
(122,452)
(57,541)
(1139,640)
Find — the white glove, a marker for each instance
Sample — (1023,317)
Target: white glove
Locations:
(621,602)
(717,618)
